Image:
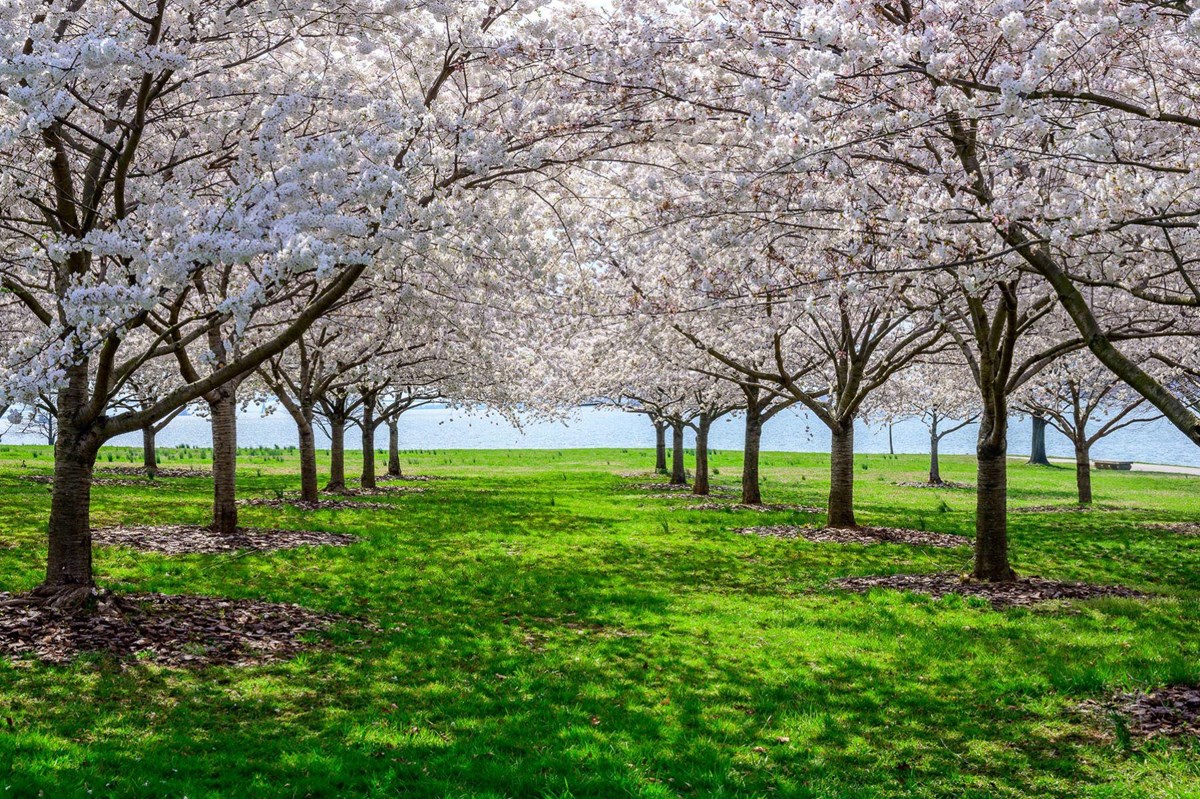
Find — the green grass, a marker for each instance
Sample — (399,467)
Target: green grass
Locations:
(544,633)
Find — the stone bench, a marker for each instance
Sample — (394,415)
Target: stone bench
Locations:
(1123,466)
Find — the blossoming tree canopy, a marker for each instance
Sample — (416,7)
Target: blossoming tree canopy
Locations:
(258,149)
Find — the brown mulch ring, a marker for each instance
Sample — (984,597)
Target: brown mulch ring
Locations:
(163,471)
(655,487)
(1173,710)
(771,507)
(1179,528)
(1021,592)
(943,484)
(48,479)
(184,539)
(1064,508)
(860,535)
(378,491)
(166,630)
(324,504)
(416,478)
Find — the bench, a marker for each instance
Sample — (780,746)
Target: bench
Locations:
(1123,466)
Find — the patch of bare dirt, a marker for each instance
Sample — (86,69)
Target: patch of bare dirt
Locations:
(944,484)
(163,629)
(1179,528)
(859,535)
(163,471)
(378,491)
(765,508)
(535,630)
(184,539)
(1170,711)
(323,504)
(1023,591)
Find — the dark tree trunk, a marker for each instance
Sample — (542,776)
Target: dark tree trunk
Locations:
(150,450)
(891,444)
(1083,473)
(991,504)
(678,469)
(308,461)
(337,454)
(69,563)
(1037,448)
(935,469)
(222,408)
(660,448)
(393,447)
(700,485)
(751,494)
(841,477)
(368,442)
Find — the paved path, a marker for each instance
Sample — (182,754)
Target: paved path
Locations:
(1137,467)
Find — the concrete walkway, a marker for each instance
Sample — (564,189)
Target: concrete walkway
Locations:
(1137,467)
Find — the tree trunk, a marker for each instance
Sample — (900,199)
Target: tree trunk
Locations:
(991,504)
(149,450)
(660,448)
(222,409)
(751,495)
(841,477)
(891,444)
(337,454)
(678,469)
(368,443)
(308,461)
(1037,449)
(393,447)
(69,562)
(1083,473)
(700,485)
(935,468)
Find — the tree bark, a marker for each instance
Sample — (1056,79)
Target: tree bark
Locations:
(69,564)
(700,484)
(337,454)
(308,461)
(751,494)
(393,447)
(150,450)
(991,504)
(1037,449)
(841,477)
(678,469)
(222,407)
(935,469)
(660,448)
(368,442)
(1083,473)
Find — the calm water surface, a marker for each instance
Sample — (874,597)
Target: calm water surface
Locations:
(444,428)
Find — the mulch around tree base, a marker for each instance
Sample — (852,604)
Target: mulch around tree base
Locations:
(163,471)
(860,535)
(681,487)
(324,504)
(1173,710)
(760,508)
(414,478)
(1023,591)
(184,539)
(378,491)
(1179,528)
(943,484)
(1064,508)
(48,479)
(167,630)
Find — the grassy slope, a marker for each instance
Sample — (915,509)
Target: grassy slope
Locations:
(545,633)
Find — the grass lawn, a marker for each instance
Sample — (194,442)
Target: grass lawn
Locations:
(545,631)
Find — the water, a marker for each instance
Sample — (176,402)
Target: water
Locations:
(444,428)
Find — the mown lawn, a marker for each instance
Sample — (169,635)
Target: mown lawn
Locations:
(544,631)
